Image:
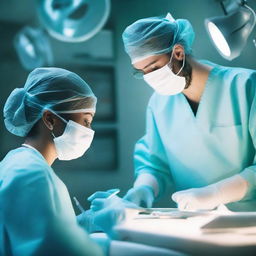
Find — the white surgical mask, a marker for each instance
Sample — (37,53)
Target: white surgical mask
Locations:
(164,81)
(74,141)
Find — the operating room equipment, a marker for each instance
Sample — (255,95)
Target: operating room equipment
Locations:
(229,33)
(33,48)
(73,21)
(79,206)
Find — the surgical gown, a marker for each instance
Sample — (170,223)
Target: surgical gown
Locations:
(36,214)
(192,151)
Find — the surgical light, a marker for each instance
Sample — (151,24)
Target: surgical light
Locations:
(73,20)
(33,48)
(229,33)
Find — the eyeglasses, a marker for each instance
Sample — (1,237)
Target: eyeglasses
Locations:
(138,74)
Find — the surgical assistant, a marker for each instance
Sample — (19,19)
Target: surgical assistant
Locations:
(201,122)
(53,113)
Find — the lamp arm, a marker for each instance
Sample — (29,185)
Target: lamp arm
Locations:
(253,13)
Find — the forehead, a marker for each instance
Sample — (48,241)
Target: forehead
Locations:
(151,59)
(87,115)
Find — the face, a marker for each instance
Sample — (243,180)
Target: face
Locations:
(84,119)
(155,62)
(152,63)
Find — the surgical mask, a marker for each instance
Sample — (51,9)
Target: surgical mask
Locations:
(164,81)
(74,141)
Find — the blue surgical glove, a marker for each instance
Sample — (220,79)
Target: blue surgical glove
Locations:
(86,221)
(142,196)
(108,210)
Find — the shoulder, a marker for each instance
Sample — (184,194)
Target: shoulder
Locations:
(23,167)
(234,73)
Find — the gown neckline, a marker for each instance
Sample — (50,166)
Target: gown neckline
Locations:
(197,116)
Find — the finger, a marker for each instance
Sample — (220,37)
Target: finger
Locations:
(174,197)
(182,205)
(98,204)
(98,194)
(113,190)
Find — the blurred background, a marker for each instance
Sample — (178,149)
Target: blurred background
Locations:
(98,56)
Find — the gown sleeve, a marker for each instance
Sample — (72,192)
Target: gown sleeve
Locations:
(36,219)
(249,173)
(150,156)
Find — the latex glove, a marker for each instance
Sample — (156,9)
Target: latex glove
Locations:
(142,196)
(103,199)
(209,197)
(107,218)
(86,221)
(108,210)
(197,198)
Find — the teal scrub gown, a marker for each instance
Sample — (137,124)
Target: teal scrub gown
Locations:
(36,214)
(191,150)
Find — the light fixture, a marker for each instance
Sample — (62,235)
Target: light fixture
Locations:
(33,48)
(73,20)
(229,33)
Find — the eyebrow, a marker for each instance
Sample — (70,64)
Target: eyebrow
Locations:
(89,114)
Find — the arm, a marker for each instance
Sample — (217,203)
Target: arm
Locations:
(238,187)
(37,220)
(151,165)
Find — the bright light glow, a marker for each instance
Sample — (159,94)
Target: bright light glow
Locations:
(69,32)
(28,47)
(218,39)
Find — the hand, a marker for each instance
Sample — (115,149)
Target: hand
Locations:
(225,191)
(86,221)
(197,198)
(102,199)
(142,196)
(108,210)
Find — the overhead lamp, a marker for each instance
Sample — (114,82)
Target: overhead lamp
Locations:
(73,20)
(33,48)
(229,33)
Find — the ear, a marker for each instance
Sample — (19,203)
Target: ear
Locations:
(178,52)
(49,119)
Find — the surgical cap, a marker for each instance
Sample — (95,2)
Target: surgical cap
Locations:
(53,89)
(157,35)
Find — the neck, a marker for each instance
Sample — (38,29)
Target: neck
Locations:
(200,73)
(45,147)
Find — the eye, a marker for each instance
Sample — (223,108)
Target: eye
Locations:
(87,123)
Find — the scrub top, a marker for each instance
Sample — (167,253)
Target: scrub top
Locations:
(36,213)
(192,151)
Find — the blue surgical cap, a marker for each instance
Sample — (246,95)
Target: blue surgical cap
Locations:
(53,89)
(157,35)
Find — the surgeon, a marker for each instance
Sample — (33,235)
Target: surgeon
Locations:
(201,122)
(53,113)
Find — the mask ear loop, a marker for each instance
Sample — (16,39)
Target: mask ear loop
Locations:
(183,63)
(51,127)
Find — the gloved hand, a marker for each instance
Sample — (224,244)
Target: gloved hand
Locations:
(142,196)
(228,190)
(197,198)
(86,221)
(108,210)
